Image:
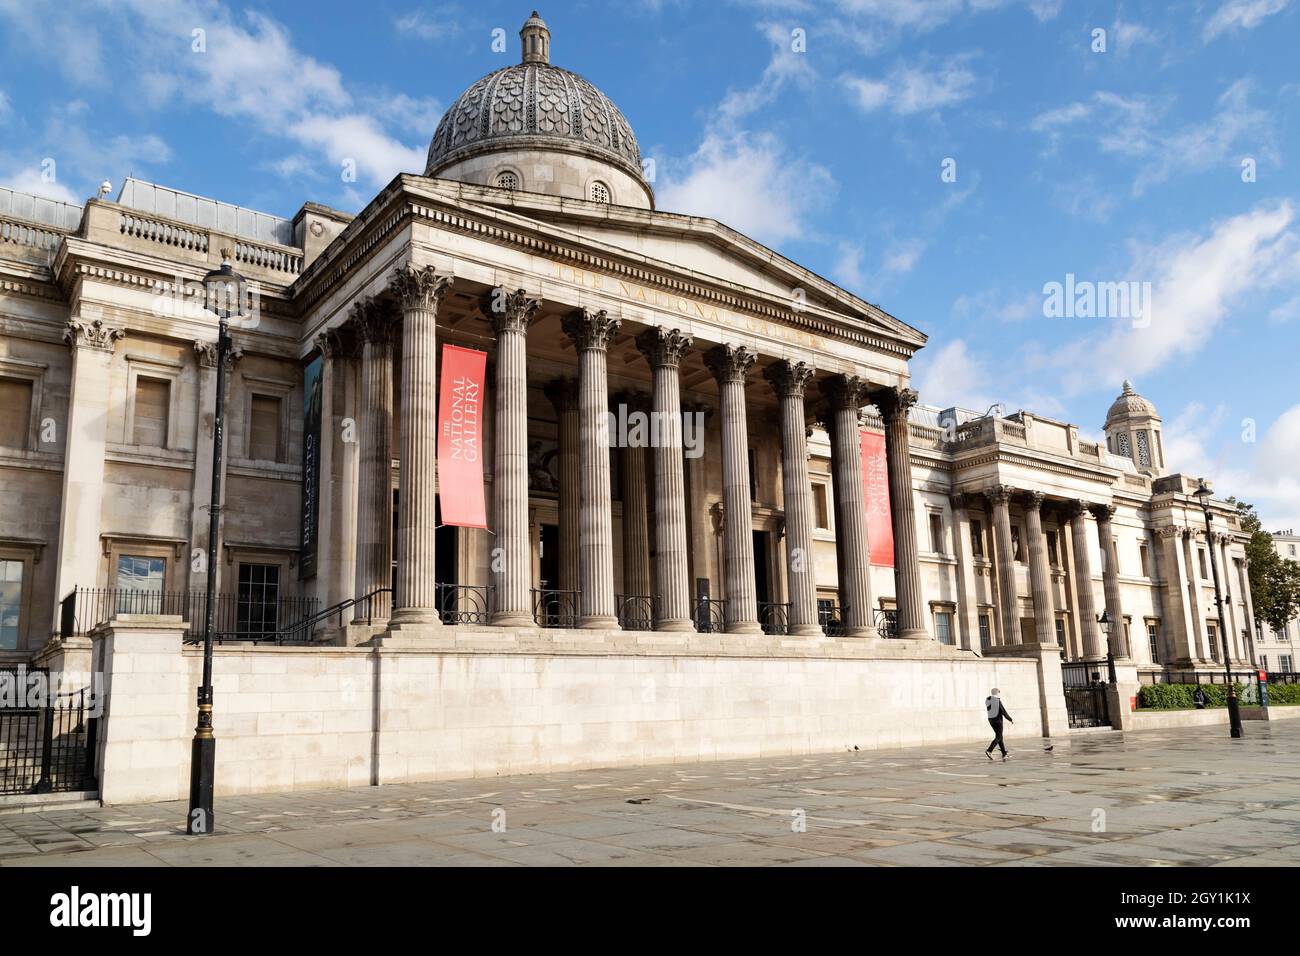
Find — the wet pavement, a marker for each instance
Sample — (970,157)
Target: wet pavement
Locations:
(1157,798)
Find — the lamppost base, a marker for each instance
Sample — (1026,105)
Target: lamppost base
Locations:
(203,761)
(1234,717)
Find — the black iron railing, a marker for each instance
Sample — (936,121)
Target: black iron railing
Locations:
(829,617)
(774,618)
(47,744)
(555,608)
(886,623)
(242,616)
(1168,676)
(710,616)
(303,631)
(464,603)
(635,612)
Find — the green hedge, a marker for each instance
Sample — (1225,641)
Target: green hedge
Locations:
(1284,693)
(1180,696)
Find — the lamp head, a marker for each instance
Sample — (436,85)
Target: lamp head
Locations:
(224,289)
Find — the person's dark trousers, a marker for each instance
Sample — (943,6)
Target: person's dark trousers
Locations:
(997,737)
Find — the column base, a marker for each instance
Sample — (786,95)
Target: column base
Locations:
(743,627)
(914,634)
(859,632)
(599,622)
(806,630)
(427,616)
(675,625)
(512,619)
(410,634)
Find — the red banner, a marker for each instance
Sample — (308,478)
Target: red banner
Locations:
(460,437)
(875,482)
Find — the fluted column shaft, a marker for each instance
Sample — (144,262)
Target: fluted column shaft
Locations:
(510,315)
(789,380)
(999,497)
(563,394)
(894,404)
(1040,575)
(636,519)
(420,290)
(1110,581)
(591,332)
(845,396)
(375,321)
(664,349)
(1092,646)
(730,365)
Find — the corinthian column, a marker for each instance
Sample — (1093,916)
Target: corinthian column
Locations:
(374,322)
(894,404)
(563,393)
(1040,575)
(845,395)
(1110,580)
(789,381)
(420,290)
(510,316)
(730,364)
(1083,579)
(999,497)
(591,332)
(636,522)
(664,349)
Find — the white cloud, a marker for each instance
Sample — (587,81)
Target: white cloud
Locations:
(910,89)
(750,183)
(437,24)
(28,179)
(1125,36)
(953,376)
(785,66)
(1243,14)
(5,109)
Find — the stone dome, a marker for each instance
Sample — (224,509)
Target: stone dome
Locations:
(1130,403)
(535,106)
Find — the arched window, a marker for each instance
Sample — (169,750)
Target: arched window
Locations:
(599,192)
(507,180)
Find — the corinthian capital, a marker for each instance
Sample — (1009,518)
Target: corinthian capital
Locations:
(999,494)
(419,287)
(730,363)
(373,320)
(590,328)
(664,348)
(1103,513)
(206,354)
(91,335)
(1077,508)
(1034,500)
(894,402)
(846,391)
(563,393)
(509,311)
(789,378)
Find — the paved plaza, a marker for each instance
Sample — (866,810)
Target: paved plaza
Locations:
(1172,798)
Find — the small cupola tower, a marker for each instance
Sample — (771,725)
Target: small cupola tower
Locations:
(1133,431)
(535,40)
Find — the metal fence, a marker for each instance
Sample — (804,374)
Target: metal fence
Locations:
(242,616)
(636,612)
(1167,676)
(464,603)
(555,608)
(48,746)
(774,618)
(710,616)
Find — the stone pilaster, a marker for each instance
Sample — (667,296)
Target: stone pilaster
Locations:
(999,497)
(1230,605)
(205,355)
(92,344)
(967,610)
(1092,644)
(591,332)
(894,404)
(1110,581)
(1198,636)
(845,396)
(374,322)
(636,518)
(337,542)
(1040,575)
(790,380)
(420,290)
(730,365)
(664,349)
(510,316)
(563,394)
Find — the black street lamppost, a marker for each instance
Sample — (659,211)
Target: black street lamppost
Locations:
(1234,707)
(224,295)
(1107,625)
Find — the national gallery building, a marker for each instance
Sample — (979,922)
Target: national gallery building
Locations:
(512,425)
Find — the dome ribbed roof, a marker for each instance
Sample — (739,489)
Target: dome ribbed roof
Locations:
(533,104)
(1129,403)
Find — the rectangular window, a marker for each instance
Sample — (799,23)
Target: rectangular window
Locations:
(820,507)
(1153,641)
(826,613)
(1212,635)
(140,584)
(1015,543)
(258,605)
(1060,632)
(1051,550)
(1286,663)
(152,396)
(943,626)
(15,412)
(1204,569)
(986,636)
(1144,556)
(264,429)
(1263,663)
(936,533)
(11,603)
(977,538)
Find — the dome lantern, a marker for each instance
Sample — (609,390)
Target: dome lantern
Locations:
(1133,431)
(535,40)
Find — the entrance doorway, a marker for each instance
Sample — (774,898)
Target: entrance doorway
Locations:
(762,578)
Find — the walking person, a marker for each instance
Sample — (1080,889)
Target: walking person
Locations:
(993,707)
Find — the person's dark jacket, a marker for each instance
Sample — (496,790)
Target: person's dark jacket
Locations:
(1001,711)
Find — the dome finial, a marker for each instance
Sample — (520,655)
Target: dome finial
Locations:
(535,40)
(1128,387)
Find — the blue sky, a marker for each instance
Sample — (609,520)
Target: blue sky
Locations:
(1122,165)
